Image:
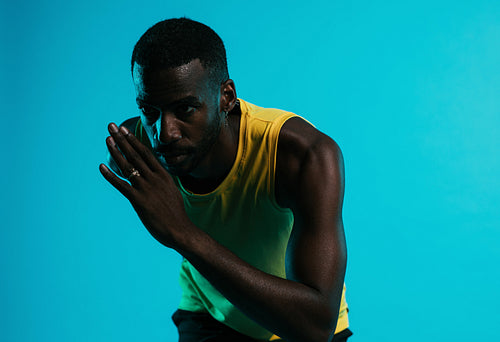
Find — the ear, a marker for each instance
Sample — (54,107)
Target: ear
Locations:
(228,96)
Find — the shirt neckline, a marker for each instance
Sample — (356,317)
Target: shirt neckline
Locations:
(236,165)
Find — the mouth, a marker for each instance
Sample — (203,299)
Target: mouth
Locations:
(171,158)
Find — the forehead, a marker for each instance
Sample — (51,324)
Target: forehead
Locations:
(156,86)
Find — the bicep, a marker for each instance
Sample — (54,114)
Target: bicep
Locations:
(316,253)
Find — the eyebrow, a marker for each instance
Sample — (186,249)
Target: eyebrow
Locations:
(188,99)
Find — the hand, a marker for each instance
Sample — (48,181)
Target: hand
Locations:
(151,191)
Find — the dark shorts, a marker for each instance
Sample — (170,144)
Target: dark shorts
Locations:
(202,327)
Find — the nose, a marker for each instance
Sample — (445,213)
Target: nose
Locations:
(167,129)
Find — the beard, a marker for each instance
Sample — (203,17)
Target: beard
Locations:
(195,154)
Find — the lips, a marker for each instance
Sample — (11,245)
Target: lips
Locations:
(172,154)
(171,158)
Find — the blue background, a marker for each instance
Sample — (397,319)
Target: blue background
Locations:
(409,90)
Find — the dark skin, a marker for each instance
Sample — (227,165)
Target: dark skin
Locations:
(309,181)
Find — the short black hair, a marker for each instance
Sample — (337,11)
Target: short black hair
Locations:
(175,42)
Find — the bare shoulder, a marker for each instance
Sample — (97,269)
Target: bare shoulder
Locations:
(304,155)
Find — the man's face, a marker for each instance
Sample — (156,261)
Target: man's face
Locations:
(180,113)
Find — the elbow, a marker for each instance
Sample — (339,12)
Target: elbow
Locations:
(321,335)
(327,331)
(326,324)
(315,327)
(325,328)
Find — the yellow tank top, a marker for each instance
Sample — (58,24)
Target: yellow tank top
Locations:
(242,214)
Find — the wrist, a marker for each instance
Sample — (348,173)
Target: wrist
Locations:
(185,237)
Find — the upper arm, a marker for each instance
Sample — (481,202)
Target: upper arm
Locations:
(310,181)
(130,124)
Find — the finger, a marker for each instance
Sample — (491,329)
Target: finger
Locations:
(141,149)
(119,184)
(126,170)
(122,163)
(128,150)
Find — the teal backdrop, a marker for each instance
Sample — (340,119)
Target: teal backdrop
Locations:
(408,89)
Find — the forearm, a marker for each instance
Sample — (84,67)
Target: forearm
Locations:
(291,310)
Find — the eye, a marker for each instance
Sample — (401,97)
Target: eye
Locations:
(149,113)
(184,110)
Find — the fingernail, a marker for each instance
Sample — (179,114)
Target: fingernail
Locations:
(110,141)
(113,128)
(124,130)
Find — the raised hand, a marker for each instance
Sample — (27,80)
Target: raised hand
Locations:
(151,190)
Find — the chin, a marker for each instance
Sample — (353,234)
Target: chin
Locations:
(176,171)
(179,170)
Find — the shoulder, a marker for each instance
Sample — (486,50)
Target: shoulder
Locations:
(305,155)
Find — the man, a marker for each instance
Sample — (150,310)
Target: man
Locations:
(250,197)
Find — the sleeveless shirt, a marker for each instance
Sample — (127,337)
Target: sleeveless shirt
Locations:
(242,215)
